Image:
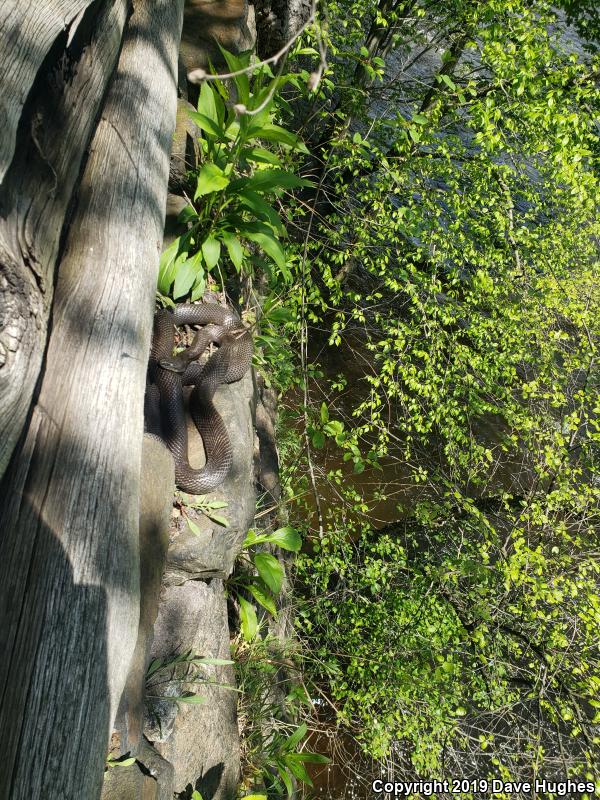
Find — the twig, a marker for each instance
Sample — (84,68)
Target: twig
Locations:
(198,75)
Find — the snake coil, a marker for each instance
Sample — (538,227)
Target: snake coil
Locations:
(168,374)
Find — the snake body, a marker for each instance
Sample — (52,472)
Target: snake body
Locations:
(168,374)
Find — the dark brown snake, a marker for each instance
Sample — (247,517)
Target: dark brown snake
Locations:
(168,374)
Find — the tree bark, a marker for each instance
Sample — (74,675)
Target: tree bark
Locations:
(54,130)
(69,501)
(28,31)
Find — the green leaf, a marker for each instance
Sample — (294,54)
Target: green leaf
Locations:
(286,779)
(193,699)
(270,570)
(218,519)
(199,287)
(280,314)
(324,413)
(211,178)
(334,427)
(287,538)
(318,440)
(125,762)
(265,179)
(235,64)
(420,119)
(187,214)
(256,121)
(313,758)
(296,737)
(263,96)
(208,125)
(207,105)
(275,133)
(153,667)
(483,281)
(297,768)
(164,301)
(248,619)
(234,248)
(167,265)
(193,527)
(272,248)
(255,203)
(253,226)
(448,81)
(252,537)
(261,594)
(186,275)
(211,250)
(261,156)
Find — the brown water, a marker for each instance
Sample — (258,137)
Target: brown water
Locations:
(350,773)
(388,491)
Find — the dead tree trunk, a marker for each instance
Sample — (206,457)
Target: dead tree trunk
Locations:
(55,63)
(69,499)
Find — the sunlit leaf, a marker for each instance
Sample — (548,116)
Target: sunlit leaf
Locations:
(270,570)
(211,178)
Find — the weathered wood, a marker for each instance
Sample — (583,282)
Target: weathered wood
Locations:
(55,130)
(69,503)
(27,32)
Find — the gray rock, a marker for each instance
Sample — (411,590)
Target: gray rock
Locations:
(150,778)
(199,740)
(267,457)
(155,506)
(129,783)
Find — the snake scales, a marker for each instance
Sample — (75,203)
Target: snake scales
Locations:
(168,374)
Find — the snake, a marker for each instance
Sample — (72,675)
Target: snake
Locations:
(168,374)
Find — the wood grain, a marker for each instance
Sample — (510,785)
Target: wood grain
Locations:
(27,32)
(55,130)
(69,506)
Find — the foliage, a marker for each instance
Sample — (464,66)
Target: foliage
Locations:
(456,239)
(273,748)
(235,186)
(122,761)
(208,507)
(262,577)
(181,669)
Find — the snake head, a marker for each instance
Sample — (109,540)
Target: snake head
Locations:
(176,363)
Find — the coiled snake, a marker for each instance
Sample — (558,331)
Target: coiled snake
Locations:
(168,374)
